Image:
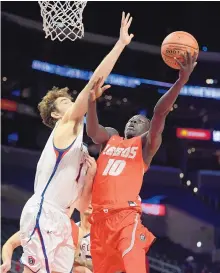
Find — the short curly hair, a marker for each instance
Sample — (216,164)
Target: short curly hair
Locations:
(47,106)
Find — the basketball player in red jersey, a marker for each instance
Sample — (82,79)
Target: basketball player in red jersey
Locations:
(118,239)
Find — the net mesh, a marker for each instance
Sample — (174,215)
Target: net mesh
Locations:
(63,19)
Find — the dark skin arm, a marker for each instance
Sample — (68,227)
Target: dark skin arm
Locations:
(152,139)
(98,133)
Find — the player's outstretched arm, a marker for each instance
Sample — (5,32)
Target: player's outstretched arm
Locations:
(166,102)
(95,131)
(79,108)
(7,251)
(86,196)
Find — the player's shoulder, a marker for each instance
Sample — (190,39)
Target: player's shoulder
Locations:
(111,131)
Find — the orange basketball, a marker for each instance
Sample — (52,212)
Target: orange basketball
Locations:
(175,44)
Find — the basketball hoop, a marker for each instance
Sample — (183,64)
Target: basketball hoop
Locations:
(63,19)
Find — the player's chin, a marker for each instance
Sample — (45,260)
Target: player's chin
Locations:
(129,134)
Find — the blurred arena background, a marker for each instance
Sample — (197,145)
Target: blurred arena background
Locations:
(181,191)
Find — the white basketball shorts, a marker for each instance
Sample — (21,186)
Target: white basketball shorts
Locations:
(46,238)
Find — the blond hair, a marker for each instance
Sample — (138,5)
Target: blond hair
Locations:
(47,105)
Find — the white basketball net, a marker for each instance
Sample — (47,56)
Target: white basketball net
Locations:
(63,19)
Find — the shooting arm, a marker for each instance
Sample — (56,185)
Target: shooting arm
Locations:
(161,111)
(166,102)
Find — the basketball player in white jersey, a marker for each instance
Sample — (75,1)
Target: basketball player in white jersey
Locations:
(45,229)
(80,236)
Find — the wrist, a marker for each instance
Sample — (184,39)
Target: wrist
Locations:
(121,44)
(90,175)
(7,261)
(181,82)
(92,103)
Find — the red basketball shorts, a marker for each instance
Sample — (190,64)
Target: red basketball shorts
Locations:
(119,242)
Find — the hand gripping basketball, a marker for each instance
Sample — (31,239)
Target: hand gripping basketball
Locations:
(187,66)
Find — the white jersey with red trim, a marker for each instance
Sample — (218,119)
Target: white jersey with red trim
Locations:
(60,172)
(46,232)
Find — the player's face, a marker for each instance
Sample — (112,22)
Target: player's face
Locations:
(62,104)
(89,210)
(136,126)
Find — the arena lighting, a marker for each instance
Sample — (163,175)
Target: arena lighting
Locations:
(197,91)
(216,136)
(16,93)
(143,112)
(120,80)
(195,189)
(153,209)
(188,182)
(9,105)
(108,103)
(181,175)
(196,134)
(13,137)
(199,244)
(209,81)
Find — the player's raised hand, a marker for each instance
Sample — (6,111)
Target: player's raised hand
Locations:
(125,37)
(186,67)
(5,267)
(97,89)
(91,164)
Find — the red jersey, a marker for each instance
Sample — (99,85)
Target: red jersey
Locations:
(119,176)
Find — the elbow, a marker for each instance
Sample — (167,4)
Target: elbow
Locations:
(91,132)
(91,129)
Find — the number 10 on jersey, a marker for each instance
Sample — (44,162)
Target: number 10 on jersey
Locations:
(114,167)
